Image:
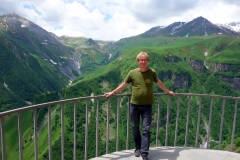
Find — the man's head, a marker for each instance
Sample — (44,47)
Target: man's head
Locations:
(142,59)
(142,55)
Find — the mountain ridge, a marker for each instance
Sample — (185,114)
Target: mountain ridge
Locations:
(39,40)
(199,26)
(32,62)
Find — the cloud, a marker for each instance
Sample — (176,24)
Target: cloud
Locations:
(114,19)
(150,11)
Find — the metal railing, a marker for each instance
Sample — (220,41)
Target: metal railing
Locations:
(158,96)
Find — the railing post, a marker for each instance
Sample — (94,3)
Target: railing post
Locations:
(35,133)
(221,127)
(107,134)
(209,122)
(62,131)
(234,123)
(20,135)
(118,113)
(198,122)
(188,114)
(158,120)
(168,108)
(74,130)
(3,138)
(97,127)
(86,131)
(128,119)
(176,128)
(49,133)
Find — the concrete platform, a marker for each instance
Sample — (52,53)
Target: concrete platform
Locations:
(173,153)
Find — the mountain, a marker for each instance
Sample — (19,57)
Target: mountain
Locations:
(91,52)
(197,27)
(41,43)
(161,36)
(37,62)
(32,62)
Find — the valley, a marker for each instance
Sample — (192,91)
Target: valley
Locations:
(77,67)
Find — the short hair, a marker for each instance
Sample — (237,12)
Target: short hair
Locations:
(142,53)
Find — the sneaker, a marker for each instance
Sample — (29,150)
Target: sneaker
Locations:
(137,152)
(144,158)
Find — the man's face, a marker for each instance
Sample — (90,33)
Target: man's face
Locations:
(143,61)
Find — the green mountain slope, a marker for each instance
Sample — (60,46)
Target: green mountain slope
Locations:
(41,43)
(25,75)
(90,52)
(33,62)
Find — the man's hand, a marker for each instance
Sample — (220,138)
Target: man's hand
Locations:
(118,89)
(171,93)
(109,94)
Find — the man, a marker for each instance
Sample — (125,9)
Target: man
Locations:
(142,98)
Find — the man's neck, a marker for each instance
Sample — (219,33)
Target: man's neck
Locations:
(143,69)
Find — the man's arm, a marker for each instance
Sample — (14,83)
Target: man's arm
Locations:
(163,87)
(118,89)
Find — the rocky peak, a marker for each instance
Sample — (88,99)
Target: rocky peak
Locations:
(91,42)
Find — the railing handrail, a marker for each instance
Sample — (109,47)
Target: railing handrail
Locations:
(46,104)
(102,96)
(62,102)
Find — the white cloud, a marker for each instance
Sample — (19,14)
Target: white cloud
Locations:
(114,19)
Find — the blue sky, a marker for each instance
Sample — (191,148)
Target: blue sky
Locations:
(116,19)
(31,7)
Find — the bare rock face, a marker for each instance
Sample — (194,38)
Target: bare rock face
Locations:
(197,65)
(172,59)
(235,82)
(219,67)
(223,67)
(182,81)
(194,64)
(202,66)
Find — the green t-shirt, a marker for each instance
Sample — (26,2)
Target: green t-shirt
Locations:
(142,86)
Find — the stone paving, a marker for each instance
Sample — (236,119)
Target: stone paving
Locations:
(173,153)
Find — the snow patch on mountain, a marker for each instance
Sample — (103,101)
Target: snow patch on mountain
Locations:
(235,26)
(176,27)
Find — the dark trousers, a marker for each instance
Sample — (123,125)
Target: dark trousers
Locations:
(145,112)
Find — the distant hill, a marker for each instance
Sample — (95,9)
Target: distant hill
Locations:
(91,52)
